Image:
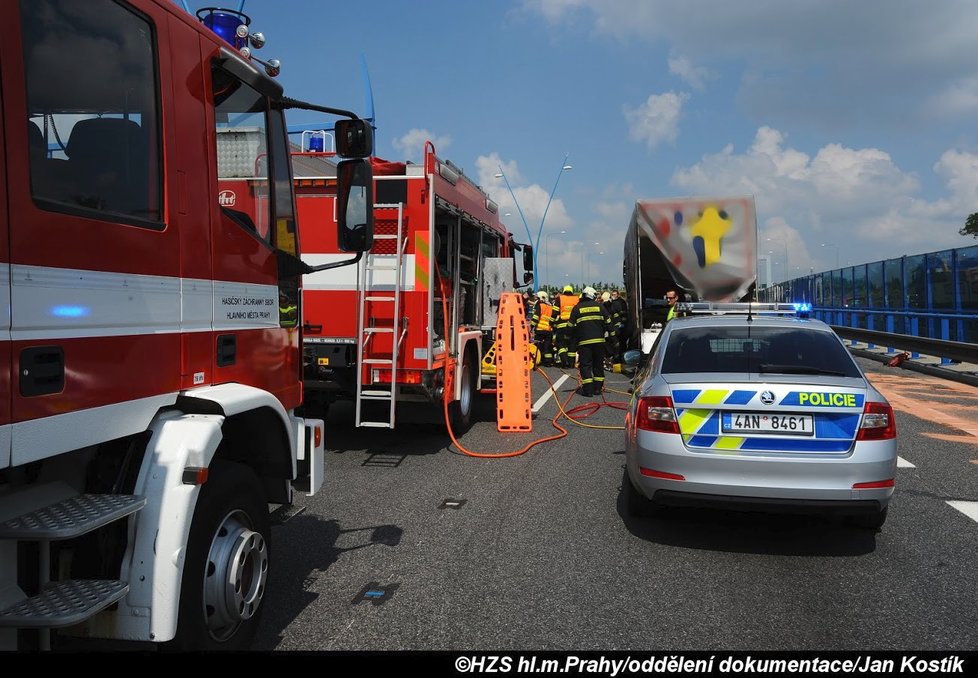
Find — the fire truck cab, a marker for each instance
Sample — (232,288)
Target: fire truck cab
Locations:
(151,364)
(421,304)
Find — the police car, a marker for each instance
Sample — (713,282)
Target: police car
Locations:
(757,407)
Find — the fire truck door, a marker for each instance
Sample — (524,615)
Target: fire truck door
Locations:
(95,278)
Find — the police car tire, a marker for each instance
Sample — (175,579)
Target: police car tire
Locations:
(871,521)
(636,504)
(231,489)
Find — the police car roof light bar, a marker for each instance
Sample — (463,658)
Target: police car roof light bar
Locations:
(741,308)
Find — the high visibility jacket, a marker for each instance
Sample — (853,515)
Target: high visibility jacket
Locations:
(672,313)
(543,314)
(567,302)
(589,320)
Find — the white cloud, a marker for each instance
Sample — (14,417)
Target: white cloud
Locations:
(958,98)
(694,76)
(821,59)
(858,199)
(411,144)
(657,120)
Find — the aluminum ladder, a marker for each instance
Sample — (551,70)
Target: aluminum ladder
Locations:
(370,292)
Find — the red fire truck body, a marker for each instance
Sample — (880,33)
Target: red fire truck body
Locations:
(150,369)
(376,333)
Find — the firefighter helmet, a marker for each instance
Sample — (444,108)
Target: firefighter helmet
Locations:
(542,295)
(589,292)
(568,289)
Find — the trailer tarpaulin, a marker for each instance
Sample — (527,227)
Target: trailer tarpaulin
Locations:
(711,242)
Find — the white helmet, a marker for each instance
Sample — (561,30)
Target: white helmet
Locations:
(542,295)
(589,292)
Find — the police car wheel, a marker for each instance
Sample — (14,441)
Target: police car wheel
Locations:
(226,568)
(871,521)
(636,504)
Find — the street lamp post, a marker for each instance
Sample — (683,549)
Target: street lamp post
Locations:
(535,241)
(832,244)
(784,262)
(546,260)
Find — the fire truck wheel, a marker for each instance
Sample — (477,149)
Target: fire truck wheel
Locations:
(460,411)
(226,568)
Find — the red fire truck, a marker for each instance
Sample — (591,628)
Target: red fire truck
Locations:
(152,359)
(378,334)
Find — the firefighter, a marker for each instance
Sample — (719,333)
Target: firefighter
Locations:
(590,323)
(542,323)
(619,307)
(566,301)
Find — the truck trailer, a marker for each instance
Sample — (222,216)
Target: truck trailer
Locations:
(704,248)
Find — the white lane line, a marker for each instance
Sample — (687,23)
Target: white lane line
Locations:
(903,463)
(969,508)
(546,396)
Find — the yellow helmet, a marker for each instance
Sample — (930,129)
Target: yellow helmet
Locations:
(568,289)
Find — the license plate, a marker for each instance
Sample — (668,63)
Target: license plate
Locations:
(755,422)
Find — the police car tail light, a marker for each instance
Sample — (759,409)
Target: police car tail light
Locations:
(878,422)
(655,413)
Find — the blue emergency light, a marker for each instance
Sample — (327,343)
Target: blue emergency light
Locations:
(225,23)
(316,144)
(803,309)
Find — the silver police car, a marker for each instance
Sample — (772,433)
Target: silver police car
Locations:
(757,407)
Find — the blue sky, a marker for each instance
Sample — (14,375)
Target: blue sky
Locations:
(853,124)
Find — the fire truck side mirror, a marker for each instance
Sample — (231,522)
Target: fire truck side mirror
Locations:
(527,264)
(354,206)
(354,138)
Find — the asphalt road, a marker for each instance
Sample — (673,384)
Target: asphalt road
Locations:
(536,552)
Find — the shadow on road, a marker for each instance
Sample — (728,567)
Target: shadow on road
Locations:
(749,532)
(313,549)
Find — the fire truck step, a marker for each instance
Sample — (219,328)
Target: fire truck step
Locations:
(379,299)
(64,603)
(377,267)
(378,361)
(380,330)
(71,517)
(375,395)
(376,424)
(385,236)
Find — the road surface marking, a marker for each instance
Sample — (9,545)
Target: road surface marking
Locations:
(969,508)
(903,463)
(546,396)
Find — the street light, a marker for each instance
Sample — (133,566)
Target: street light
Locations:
(832,244)
(535,242)
(546,246)
(585,253)
(784,262)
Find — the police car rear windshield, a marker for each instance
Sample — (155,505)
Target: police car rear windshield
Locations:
(758,349)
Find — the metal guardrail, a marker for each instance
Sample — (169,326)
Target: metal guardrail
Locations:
(952,350)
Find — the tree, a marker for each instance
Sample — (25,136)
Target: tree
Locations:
(970,226)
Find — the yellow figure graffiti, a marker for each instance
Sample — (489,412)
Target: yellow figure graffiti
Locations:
(707,234)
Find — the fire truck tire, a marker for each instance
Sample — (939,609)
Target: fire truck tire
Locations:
(226,569)
(460,411)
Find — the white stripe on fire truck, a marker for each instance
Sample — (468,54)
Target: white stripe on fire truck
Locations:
(50,303)
(345,277)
